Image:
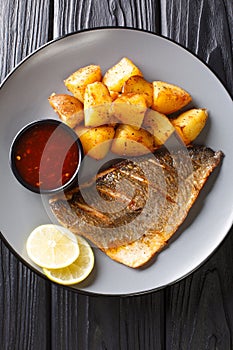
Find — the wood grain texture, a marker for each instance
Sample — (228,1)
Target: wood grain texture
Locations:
(26,27)
(24,306)
(199,309)
(99,323)
(24,297)
(75,15)
(142,322)
(69,320)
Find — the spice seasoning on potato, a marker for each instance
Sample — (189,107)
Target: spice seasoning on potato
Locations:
(96,142)
(116,76)
(69,108)
(138,85)
(169,98)
(131,142)
(97,105)
(159,126)
(78,81)
(190,123)
(130,109)
(123,112)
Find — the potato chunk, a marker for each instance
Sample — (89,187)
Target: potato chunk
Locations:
(130,109)
(69,108)
(115,77)
(139,85)
(158,125)
(169,98)
(77,82)
(131,142)
(97,105)
(114,94)
(96,142)
(190,123)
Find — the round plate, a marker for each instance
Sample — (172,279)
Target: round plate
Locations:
(24,98)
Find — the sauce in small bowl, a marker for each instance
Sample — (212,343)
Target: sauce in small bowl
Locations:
(45,156)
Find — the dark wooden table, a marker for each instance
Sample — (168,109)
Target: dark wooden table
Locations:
(197,312)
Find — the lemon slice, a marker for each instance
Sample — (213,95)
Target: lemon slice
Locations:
(78,270)
(52,246)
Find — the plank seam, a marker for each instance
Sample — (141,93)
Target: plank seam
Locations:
(51,21)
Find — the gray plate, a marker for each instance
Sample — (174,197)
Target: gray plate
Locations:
(23,98)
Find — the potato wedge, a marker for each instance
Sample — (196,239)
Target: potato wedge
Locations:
(114,94)
(139,85)
(158,125)
(131,142)
(68,108)
(97,105)
(115,77)
(168,98)
(130,109)
(77,82)
(96,142)
(190,123)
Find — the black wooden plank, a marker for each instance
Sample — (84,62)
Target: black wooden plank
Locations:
(199,309)
(142,322)
(24,305)
(24,28)
(80,14)
(98,323)
(24,297)
(83,322)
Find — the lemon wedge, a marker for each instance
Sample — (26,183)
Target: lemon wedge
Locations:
(52,246)
(78,270)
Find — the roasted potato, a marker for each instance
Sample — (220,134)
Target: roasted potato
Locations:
(158,125)
(115,77)
(190,123)
(114,94)
(124,112)
(139,85)
(96,142)
(77,82)
(168,98)
(97,105)
(130,109)
(131,142)
(69,108)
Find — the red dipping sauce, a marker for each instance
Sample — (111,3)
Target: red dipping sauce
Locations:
(45,155)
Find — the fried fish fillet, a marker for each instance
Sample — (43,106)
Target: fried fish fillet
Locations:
(133,208)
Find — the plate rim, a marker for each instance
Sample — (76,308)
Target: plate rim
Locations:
(59,38)
(95,294)
(228,227)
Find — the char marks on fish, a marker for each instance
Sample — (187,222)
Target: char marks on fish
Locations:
(133,208)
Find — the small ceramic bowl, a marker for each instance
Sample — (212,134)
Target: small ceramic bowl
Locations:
(45,156)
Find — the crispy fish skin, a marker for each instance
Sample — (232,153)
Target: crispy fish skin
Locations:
(143,202)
